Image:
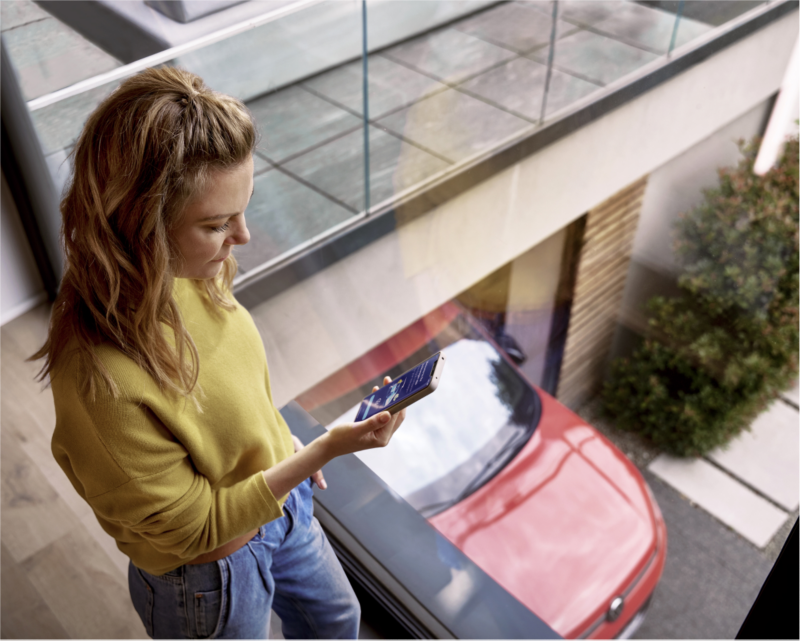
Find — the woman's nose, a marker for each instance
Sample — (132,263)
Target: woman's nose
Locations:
(240,235)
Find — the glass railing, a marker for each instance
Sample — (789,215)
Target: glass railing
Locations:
(344,134)
(372,113)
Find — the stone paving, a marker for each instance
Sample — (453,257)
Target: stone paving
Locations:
(727,514)
(711,578)
(441,98)
(721,495)
(752,484)
(766,458)
(435,101)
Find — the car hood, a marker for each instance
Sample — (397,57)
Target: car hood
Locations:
(564,527)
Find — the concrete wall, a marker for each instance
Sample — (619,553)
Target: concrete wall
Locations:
(333,317)
(678,185)
(21,286)
(672,189)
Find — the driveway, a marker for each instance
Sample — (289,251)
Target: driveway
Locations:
(726,521)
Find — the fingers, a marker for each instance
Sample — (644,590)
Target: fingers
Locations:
(386,381)
(381,419)
(373,423)
(377,430)
(387,427)
(319,480)
(398,420)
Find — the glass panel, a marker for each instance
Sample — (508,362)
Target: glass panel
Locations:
(516,305)
(293,121)
(493,471)
(450,95)
(431,465)
(714,13)
(448,595)
(292,203)
(506,318)
(694,19)
(448,82)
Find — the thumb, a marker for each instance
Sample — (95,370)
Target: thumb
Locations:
(373,422)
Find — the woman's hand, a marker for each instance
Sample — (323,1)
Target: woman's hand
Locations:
(316,477)
(376,431)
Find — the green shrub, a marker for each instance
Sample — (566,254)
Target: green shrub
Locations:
(716,354)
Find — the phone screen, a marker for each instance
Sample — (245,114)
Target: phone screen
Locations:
(414,380)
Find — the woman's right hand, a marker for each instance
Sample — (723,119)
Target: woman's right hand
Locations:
(376,431)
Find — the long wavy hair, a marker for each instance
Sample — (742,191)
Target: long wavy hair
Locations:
(142,157)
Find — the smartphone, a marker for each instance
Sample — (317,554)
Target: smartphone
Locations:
(406,389)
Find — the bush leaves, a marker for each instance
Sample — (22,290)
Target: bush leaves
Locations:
(728,344)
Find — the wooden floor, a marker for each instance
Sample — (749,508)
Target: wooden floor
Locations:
(62,576)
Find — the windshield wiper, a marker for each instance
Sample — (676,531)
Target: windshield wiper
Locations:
(485,474)
(491,468)
(434,508)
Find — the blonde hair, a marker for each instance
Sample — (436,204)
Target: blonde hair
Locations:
(142,156)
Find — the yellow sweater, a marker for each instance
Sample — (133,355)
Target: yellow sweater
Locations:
(170,483)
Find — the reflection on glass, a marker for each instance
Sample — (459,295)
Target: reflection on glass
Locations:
(456,439)
(475,460)
(519,305)
(675,28)
(447,82)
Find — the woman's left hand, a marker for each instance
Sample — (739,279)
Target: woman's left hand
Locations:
(316,477)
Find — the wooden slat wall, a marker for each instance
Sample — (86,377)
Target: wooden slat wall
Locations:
(602,270)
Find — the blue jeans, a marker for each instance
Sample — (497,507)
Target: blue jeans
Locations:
(289,566)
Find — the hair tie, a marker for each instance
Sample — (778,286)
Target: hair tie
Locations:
(188,97)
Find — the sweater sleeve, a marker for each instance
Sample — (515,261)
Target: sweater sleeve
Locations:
(136,475)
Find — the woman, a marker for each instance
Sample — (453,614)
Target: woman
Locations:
(164,417)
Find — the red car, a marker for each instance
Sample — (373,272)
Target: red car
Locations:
(537,498)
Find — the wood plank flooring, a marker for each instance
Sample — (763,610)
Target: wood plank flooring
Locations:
(62,576)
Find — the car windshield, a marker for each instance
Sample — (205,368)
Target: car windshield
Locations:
(455,440)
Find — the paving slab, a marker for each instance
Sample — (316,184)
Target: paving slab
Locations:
(518,87)
(768,456)
(260,165)
(16,14)
(514,27)
(448,55)
(282,214)
(711,577)
(581,12)
(391,86)
(650,29)
(753,517)
(337,168)
(294,120)
(47,55)
(792,395)
(595,58)
(453,125)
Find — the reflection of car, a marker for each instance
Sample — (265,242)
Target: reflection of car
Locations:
(532,494)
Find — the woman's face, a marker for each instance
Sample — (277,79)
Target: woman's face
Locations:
(214,222)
